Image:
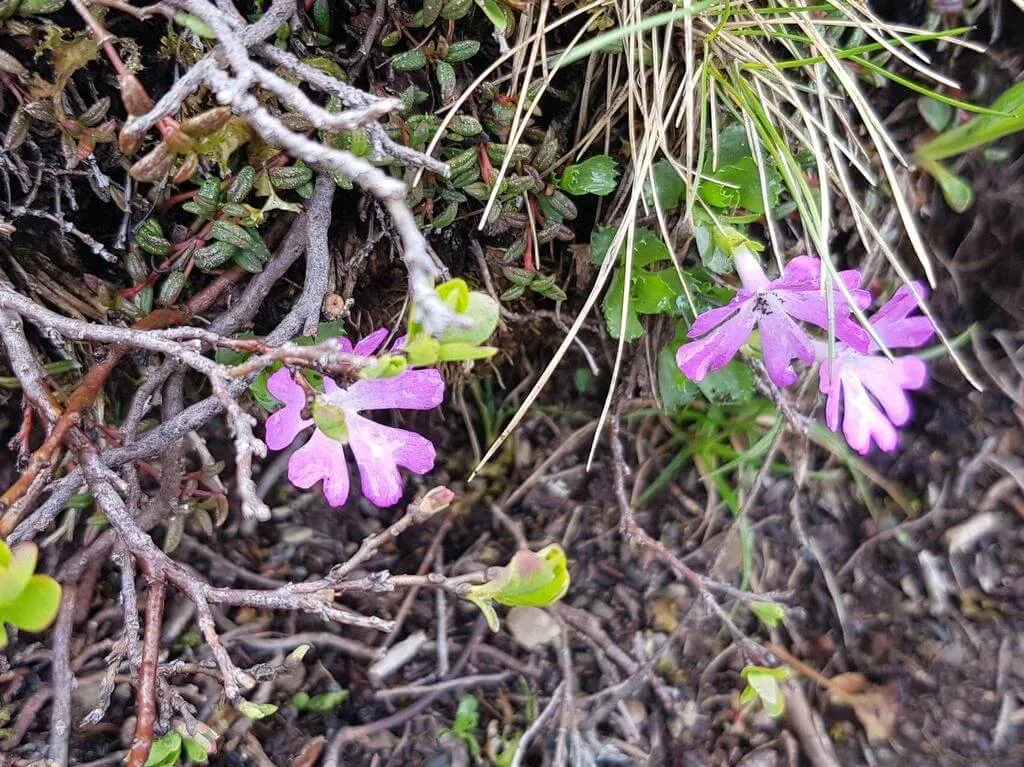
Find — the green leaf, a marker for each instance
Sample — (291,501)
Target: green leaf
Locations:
(195,751)
(654,294)
(327,701)
(256,711)
(600,240)
(935,113)
(462,51)
(467,715)
(980,130)
(165,750)
(326,331)
(16,568)
(459,352)
(330,420)
(493,11)
(648,248)
(668,187)
(35,607)
(444,73)
(260,393)
(596,175)
(769,613)
(766,685)
(421,350)
(483,313)
(611,308)
(410,61)
(529,579)
(431,10)
(676,390)
(322,16)
(712,256)
(455,293)
(955,189)
(197,25)
(735,181)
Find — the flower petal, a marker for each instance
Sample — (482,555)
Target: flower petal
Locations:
(321,458)
(712,318)
(412,390)
(800,273)
(713,352)
(379,451)
(863,421)
(831,384)
(284,425)
(902,304)
(896,327)
(371,343)
(888,380)
(782,341)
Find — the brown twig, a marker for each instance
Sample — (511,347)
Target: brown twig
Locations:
(145,694)
(63,677)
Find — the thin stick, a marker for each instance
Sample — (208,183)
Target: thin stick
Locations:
(145,694)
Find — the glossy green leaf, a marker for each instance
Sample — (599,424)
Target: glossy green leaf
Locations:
(596,175)
(493,11)
(612,307)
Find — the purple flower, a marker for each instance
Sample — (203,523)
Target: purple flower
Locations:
(774,307)
(868,391)
(378,450)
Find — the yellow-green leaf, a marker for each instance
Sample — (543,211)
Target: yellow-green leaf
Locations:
(530,579)
(35,607)
(16,568)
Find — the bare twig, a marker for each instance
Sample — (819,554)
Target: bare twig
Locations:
(146,698)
